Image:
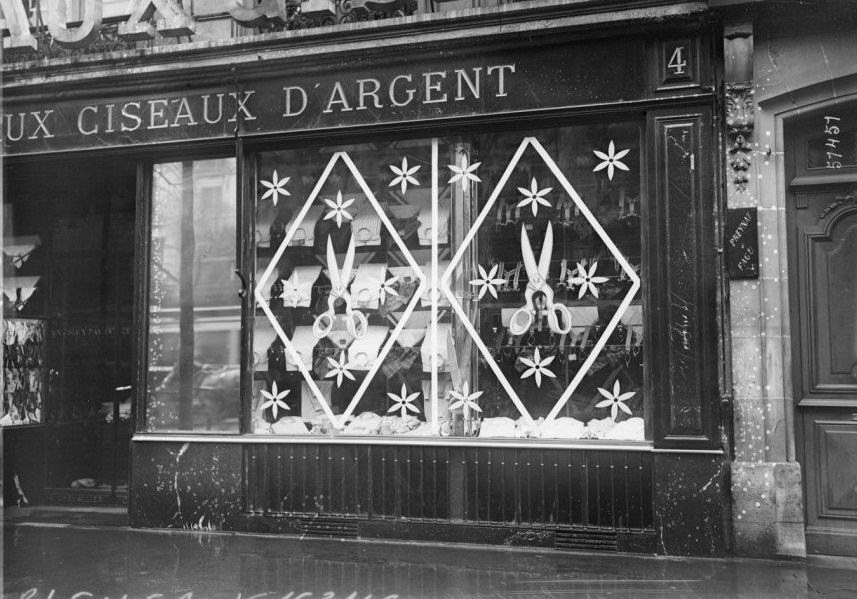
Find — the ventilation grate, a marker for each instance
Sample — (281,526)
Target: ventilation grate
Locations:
(342,528)
(585,540)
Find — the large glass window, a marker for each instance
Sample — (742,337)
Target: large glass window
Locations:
(480,286)
(194,341)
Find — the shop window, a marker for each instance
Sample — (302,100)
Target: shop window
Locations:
(194,335)
(485,286)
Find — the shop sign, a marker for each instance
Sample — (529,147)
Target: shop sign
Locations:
(742,243)
(352,94)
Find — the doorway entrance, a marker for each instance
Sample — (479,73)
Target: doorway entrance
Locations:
(78,216)
(822,215)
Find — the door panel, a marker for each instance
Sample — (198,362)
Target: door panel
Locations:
(824,317)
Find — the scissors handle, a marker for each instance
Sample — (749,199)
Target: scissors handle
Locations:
(323,324)
(522,320)
(356,323)
(555,312)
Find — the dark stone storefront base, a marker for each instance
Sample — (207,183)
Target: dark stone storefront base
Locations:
(203,486)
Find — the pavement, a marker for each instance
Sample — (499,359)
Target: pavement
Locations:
(85,554)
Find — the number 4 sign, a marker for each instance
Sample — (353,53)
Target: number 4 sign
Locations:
(677,61)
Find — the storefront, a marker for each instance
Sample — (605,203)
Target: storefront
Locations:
(459,286)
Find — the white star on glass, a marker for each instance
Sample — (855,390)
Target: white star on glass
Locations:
(537,367)
(403,402)
(587,280)
(387,287)
(339,369)
(534,196)
(404,175)
(275,399)
(488,281)
(338,209)
(291,292)
(464,173)
(615,400)
(465,399)
(275,187)
(611,160)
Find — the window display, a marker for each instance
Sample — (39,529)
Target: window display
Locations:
(469,287)
(194,340)
(23,371)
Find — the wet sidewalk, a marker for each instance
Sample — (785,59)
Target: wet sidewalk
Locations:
(44,555)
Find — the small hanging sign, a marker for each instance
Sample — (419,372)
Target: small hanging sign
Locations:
(742,243)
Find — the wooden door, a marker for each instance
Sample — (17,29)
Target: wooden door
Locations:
(823,264)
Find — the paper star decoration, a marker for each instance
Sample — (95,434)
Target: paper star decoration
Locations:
(291,292)
(275,399)
(404,175)
(465,399)
(488,281)
(403,401)
(339,369)
(464,173)
(587,280)
(534,196)
(537,367)
(610,160)
(387,287)
(615,400)
(275,187)
(338,209)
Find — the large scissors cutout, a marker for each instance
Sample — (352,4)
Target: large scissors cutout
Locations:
(523,317)
(355,320)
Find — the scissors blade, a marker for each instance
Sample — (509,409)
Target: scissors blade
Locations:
(348,266)
(527,251)
(547,251)
(332,266)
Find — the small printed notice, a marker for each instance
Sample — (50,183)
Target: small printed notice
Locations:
(742,243)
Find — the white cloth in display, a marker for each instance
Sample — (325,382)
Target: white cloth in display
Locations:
(20,248)
(500,427)
(263,336)
(27,285)
(367,423)
(310,408)
(444,350)
(289,425)
(366,226)
(366,287)
(305,231)
(582,319)
(424,232)
(633,319)
(297,289)
(266,213)
(632,429)
(363,353)
(563,428)
(425,298)
(304,342)
(415,329)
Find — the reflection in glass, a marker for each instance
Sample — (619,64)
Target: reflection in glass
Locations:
(194,310)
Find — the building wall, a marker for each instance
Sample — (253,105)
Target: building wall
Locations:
(792,68)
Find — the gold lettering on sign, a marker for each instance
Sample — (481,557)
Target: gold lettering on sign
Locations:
(410,91)
(291,109)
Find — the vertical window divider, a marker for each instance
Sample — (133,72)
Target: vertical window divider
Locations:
(435,294)
(143,230)
(245,260)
